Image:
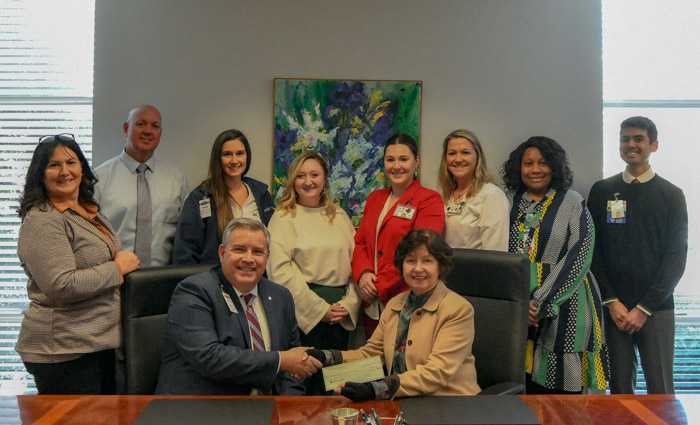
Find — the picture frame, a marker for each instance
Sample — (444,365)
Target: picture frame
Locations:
(348,123)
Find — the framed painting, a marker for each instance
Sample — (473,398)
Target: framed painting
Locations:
(347,122)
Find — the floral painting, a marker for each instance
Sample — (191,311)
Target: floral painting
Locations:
(348,123)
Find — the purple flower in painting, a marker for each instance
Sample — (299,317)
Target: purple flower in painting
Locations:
(283,142)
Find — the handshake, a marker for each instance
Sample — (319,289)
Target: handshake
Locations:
(298,363)
(305,361)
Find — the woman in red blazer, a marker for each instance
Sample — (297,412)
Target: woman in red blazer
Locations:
(389,214)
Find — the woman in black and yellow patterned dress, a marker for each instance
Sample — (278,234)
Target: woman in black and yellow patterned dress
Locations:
(552,226)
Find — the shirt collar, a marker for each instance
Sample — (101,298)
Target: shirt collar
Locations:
(133,164)
(643,178)
(253,291)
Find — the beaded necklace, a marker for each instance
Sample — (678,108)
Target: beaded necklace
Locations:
(532,219)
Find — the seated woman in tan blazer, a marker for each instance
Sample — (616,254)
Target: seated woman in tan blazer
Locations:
(424,336)
(75,265)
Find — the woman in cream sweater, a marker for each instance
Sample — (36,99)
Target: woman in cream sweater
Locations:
(310,253)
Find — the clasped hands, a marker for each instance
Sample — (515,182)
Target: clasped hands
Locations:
(629,321)
(298,363)
(335,314)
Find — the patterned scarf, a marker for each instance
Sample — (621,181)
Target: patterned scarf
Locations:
(412,303)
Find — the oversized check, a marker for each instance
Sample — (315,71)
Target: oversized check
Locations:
(365,370)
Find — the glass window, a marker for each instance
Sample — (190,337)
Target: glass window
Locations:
(46,76)
(651,60)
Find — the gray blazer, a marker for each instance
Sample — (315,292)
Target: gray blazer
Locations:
(73,286)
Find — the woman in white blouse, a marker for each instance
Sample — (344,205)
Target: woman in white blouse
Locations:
(476,210)
(310,253)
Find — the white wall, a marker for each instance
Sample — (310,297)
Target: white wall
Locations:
(506,69)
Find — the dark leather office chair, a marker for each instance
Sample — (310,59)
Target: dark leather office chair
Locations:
(497,284)
(145,300)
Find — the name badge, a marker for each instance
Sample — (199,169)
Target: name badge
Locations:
(617,212)
(405,212)
(205,208)
(455,209)
(229,302)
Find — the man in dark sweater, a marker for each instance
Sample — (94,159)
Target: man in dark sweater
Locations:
(641,228)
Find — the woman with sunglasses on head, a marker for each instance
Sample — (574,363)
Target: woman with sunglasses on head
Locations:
(552,226)
(75,266)
(389,214)
(226,194)
(476,210)
(310,252)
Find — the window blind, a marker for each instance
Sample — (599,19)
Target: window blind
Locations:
(46,83)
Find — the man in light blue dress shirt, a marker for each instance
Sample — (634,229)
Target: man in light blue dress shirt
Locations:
(116,189)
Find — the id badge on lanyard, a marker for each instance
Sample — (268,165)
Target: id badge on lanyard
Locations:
(616,211)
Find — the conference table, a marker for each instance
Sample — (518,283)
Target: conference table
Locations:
(550,409)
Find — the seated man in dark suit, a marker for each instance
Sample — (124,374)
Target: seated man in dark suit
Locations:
(231,331)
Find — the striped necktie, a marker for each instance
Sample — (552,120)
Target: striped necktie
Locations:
(142,245)
(256,337)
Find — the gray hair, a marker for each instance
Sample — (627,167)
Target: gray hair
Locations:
(245,223)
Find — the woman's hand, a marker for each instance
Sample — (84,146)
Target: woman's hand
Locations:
(533,319)
(126,262)
(335,314)
(367,285)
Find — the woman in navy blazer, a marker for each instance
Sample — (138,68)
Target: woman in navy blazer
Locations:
(389,214)
(225,194)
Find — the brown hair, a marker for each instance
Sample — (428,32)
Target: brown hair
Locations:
(215,180)
(433,242)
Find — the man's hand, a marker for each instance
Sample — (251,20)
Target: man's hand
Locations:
(335,314)
(298,362)
(618,312)
(367,285)
(634,321)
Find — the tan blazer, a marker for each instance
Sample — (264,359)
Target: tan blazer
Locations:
(73,286)
(439,358)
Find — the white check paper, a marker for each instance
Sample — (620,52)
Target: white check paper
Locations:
(365,370)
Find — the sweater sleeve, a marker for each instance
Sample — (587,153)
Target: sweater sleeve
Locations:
(672,264)
(282,269)
(351,301)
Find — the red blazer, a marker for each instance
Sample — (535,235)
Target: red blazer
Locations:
(430,214)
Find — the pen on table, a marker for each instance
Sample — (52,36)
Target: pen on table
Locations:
(375,417)
(398,419)
(366,419)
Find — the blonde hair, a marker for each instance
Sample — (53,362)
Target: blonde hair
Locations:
(287,205)
(446,180)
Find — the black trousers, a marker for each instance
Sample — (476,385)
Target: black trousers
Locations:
(91,373)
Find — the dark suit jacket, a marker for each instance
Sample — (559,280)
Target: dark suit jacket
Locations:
(207,347)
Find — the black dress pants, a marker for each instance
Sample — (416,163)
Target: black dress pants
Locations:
(91,373)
